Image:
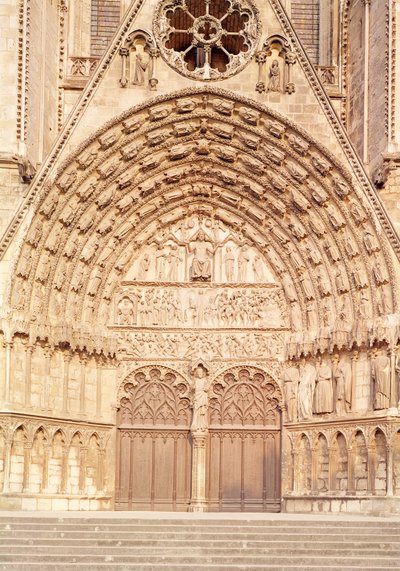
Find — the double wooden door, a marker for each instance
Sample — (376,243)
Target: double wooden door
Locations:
(155,456)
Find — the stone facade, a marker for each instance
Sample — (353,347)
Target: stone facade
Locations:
(199,280)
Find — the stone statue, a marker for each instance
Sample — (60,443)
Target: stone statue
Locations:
(291,380)
(139,71)
(342,377)
(229,262)
(144,266)
(243,260)
(381,379)
(323,396)
(308,375)
(200,401)
(173,260)
(203,251)
(258,269)
(274,83)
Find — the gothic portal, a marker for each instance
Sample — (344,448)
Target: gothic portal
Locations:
(201,303)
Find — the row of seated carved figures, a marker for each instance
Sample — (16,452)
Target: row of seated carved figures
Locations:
(354,466)
(51,465)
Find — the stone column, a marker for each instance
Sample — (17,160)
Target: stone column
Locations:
(82,385)
(28,374)
(371,465)
(47,379)
(67,360)
(64,469)
(389,471)
(351,459)
(27,464)
(8,372)
(295,470)
(98,390)
(393,383)
(45,474)
(7,463)
(100,470)
(354,359)
(198,500)
(82,469)
(332,468)
(314,469)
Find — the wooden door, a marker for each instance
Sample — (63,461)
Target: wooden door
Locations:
(153,442)
(244,451)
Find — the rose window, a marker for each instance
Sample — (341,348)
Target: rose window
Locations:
(207,39)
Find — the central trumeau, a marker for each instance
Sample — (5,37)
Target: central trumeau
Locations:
(206,39)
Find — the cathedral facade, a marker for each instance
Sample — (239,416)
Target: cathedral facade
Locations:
(200,255)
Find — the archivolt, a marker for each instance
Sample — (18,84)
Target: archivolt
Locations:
(236,162)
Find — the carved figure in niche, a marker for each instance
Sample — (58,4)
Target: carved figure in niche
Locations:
(274,82)
(289,288)
(243,260)
(200,400)
(161,258)
(335,217)
(140,70)
(308,375)
(258,269)
(379,273)
(173,260)
(291,380)
(307,287)
(332,250)
(295,257)
(323,396)
(382,302)
(203,251)
(125,312)
(313,254)
(341,283)
(342,376)
(296,317)
(312,318)
(359,275)
(317,226)
(380,370)
(323,283)
(144,267)
(350,246)
(370,242)
(229,262)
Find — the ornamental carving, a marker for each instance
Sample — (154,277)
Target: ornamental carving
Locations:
(154,395)
(207,40)
(245,397)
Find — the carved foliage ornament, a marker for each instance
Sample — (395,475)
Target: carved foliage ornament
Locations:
(204,39)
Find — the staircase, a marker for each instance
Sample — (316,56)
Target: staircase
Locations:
(117,541)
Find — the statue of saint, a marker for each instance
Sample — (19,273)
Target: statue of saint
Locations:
(342,376)
(306,389)
(274,83)
(323,396)
(229,261)
(140,69)
(200,401)
(381,380)
(203,250)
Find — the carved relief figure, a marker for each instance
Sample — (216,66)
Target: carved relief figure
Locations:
(380,370)
(173,260)
(274,83)
(308,375)
(229,262)
(243,260)
(203,251)
(140,70)
(323,396)
(125,312)
(291,379)
(200,400)
(342,376)
(144,267)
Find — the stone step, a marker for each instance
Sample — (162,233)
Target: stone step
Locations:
(348,546)
(176,567)
(358,562)
(200,551)
(184,536)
